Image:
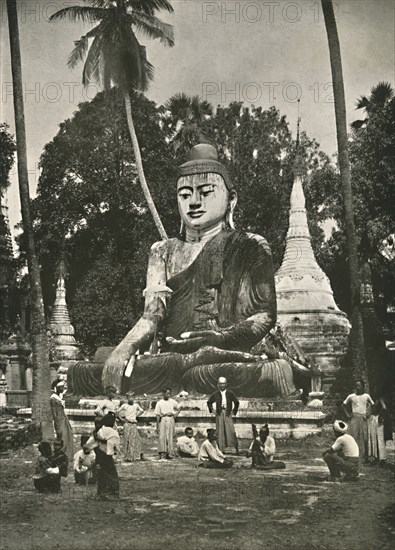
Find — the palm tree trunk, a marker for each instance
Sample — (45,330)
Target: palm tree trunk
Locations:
(41,411)
(356,344)
(140,169)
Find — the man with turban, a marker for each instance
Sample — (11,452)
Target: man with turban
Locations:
(343,456)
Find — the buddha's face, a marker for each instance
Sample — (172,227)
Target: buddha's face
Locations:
(203,200)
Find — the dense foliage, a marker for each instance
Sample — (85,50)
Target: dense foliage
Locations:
(7,156)
(91,206)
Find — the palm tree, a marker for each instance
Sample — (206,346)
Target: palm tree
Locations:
(380,95)
(356,344)
(41,411)
(114,56)
(184,116)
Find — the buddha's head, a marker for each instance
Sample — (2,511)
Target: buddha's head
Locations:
(206,195)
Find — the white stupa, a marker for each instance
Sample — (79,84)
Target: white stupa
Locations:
(305,304)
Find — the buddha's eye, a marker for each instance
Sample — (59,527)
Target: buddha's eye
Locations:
(185,195)
(206,193)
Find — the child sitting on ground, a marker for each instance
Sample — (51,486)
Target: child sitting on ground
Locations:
(46,477)
(85,464)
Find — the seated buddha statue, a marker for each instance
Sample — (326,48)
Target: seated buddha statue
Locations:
(209,302)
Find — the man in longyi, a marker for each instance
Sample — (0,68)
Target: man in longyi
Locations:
(166,412)
(226,404)
(359,403)
(210,299)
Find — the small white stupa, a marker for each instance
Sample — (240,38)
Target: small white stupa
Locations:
(66,349)
(305,304)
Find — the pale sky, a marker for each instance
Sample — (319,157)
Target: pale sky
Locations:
(260,52)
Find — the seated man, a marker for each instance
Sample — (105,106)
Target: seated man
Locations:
(343,456)
(210,456)
(262,450)
(85,464)
(187,446)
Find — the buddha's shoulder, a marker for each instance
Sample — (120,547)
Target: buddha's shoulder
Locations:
(254,240)
(162,247)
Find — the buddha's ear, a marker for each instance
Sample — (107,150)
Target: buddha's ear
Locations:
(232,200)
(229,214)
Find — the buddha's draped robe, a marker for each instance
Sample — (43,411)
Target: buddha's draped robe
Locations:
(229,288)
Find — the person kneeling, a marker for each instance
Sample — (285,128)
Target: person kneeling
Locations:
(343,456)
(187,446)
(210,456)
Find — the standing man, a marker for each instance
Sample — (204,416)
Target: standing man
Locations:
(108,405)
(343,455)
(359,424)
(166,412)
(226,404)
(61,422)
(128,412)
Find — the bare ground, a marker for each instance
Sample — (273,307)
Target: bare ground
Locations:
(176,505)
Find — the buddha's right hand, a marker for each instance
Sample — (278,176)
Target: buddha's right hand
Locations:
(118,363)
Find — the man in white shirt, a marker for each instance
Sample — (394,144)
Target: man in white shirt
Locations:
(166,412)
(187,446)
(210,456)
(343,456)
(359,402)
(128,412)
(109,404)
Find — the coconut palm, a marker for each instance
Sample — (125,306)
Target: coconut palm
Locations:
(356,344)
(380,95)
(113,55)
(41,411)
(184,116)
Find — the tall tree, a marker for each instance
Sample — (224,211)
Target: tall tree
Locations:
(380,95)
(356,344)
(115,56)
(7,260)
(184,116)
(41,411)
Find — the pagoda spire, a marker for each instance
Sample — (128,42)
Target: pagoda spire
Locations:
(305,302)
(66,347)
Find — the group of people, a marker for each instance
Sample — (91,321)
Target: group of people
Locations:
(362,439)
(95,462)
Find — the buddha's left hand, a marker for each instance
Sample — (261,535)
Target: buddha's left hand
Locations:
(192,341)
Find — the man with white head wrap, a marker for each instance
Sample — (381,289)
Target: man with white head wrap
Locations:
(226,404)
(343,456)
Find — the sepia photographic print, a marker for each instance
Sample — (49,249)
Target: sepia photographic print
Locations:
(197,305)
